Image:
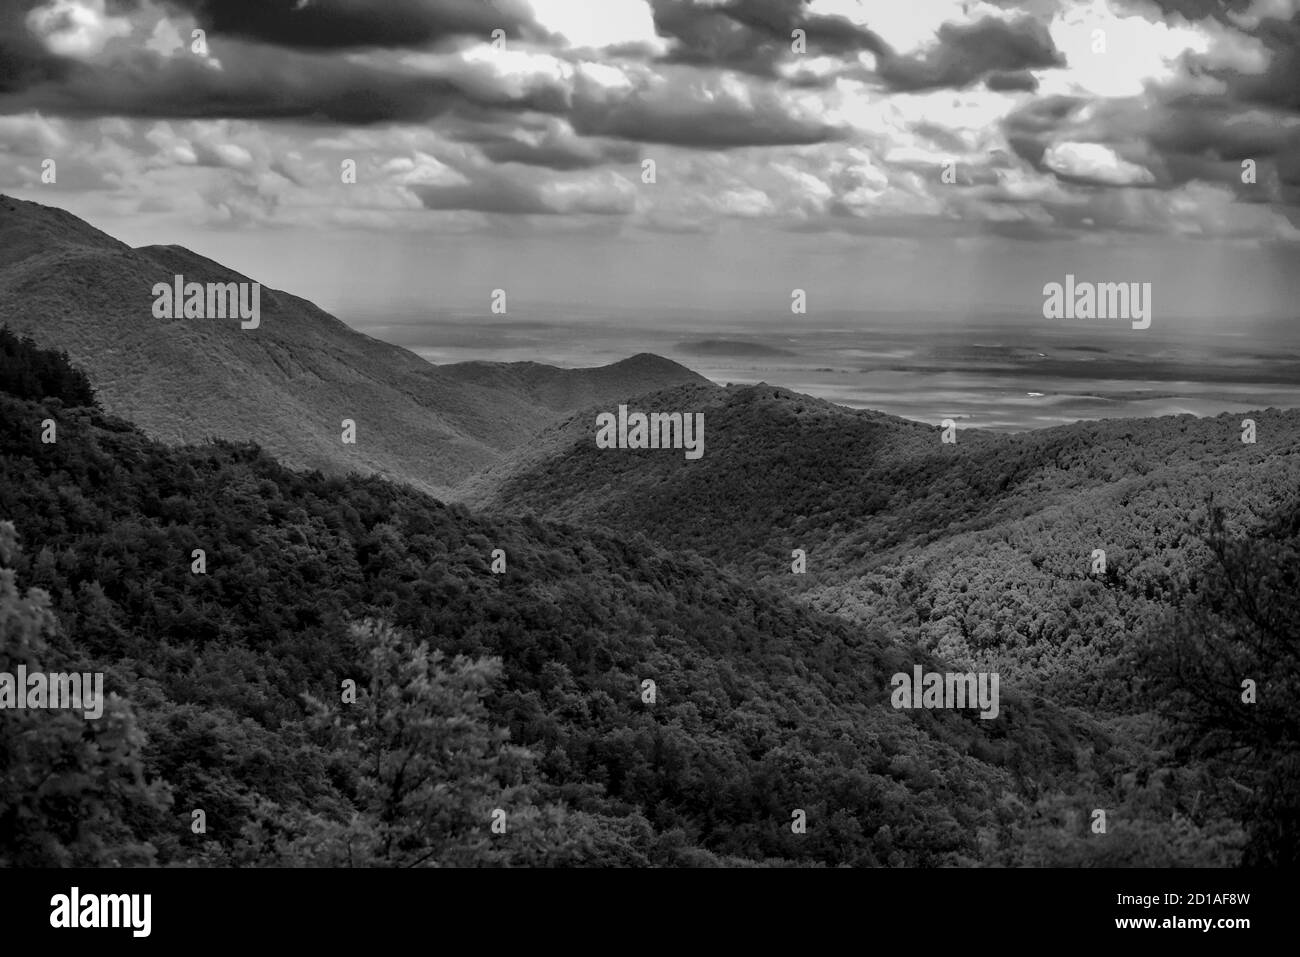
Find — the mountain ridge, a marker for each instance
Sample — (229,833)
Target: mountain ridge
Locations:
(287,384)
(984,547)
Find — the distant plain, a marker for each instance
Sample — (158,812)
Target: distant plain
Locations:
(994,372)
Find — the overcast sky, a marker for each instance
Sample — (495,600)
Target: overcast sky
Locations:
(1115,155)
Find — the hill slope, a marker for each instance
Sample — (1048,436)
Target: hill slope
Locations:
(286,385)
(763,706)
(983,548)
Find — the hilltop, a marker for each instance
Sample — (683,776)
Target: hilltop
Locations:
(287,384)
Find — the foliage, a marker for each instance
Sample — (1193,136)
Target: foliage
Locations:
(520,691)
(29,372)
(70,788)
(1242,625)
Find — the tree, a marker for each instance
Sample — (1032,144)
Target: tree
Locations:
(71,788)
(428,769)
(30,372)
(1241,625)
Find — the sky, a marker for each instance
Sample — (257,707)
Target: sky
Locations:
(927,155)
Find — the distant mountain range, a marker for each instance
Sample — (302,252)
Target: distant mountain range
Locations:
(287,384)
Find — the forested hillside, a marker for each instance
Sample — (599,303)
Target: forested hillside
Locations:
(521,692)
(983,550)
(763,707)
(988,552)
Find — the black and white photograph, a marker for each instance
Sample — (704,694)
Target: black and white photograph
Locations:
(618,435)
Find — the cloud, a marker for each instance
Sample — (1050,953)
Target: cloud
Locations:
(75,28)
(344,24)
(252,85)
(1192,211)
(1095,164)
(1019,80)
(32,135)
(24,59)
(623,100)
(754,36)
(688,109)
(1219,129)
(450,132)
(1224,10)
(1279,84)
(967,53)
(616,23)
(548,142)
(1032,127)
(495,191)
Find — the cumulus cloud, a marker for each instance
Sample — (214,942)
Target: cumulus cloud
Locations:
(1094,163)
(1042,126)
(545,141)
(706,112)
(755,36)
(967,53)
(75,28)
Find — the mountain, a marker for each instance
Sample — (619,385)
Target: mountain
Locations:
(287,384)
(227,682)
(982,550)
(339,671)
(774,460)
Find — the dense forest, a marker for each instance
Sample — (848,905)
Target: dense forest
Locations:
(502,717)
(982,550)
(30,372)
